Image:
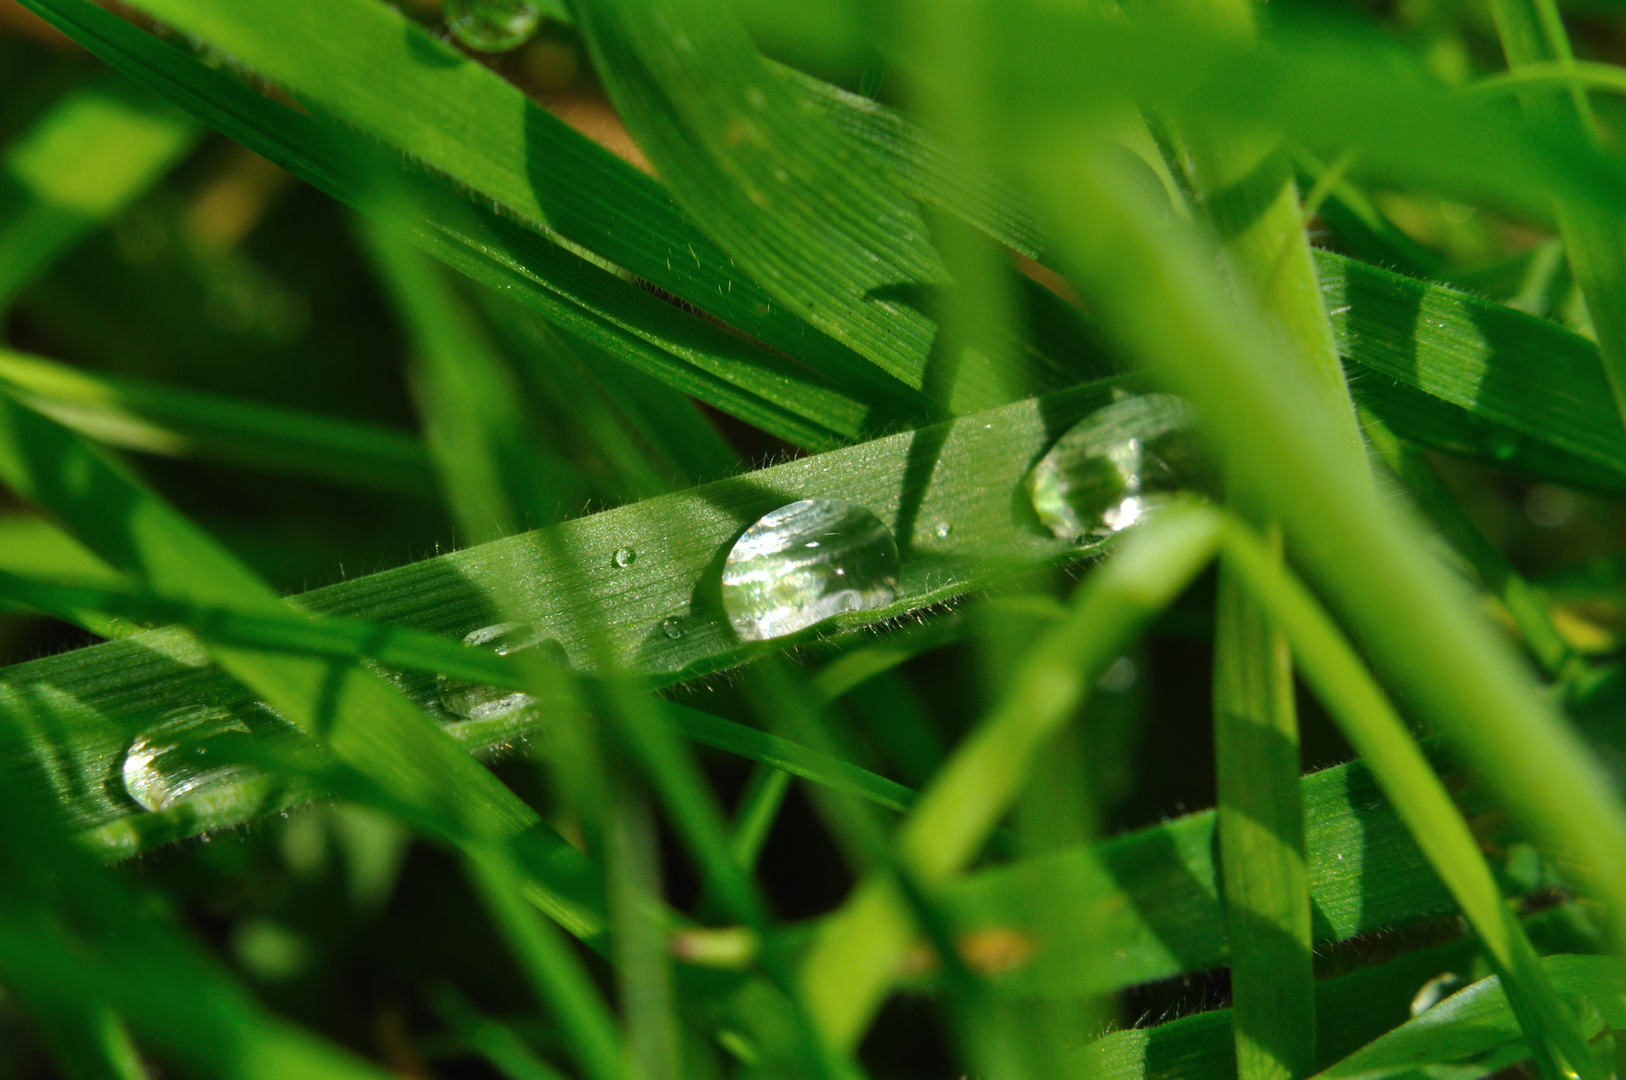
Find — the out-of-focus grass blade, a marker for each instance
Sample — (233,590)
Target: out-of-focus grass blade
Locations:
(81,163)
(1353,698)
(496,474)
(581,296)
(136,415)
(77,938)
(799,203)
(858,950)
(1531,393)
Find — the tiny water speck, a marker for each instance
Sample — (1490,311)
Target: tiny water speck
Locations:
(624,557)
(671,629)
(470,701)
(943,530)
(185,758)
(493,26)
(1117,466)
(804,563)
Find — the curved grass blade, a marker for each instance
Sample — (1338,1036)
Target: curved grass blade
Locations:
(792,197)
(136,415)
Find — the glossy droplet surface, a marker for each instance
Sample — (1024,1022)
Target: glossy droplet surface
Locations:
(1118,465)
(804,563)
(187,758)
(623,558)
(471,701)
(492,25)
(671,629)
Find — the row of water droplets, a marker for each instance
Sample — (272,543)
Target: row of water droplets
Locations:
(794,568)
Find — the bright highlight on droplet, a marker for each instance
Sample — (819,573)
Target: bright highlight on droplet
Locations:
(1117,466)
(471,701)
(493,26)
(804,563)
(186,759)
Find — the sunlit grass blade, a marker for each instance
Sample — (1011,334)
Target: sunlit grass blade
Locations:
(1332,667)
(791,196)
(153,418)
(1422,634)
(1261,839)
(856,955)
(83,161)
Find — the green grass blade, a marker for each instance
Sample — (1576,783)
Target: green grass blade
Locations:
(496,1042)
(1534,395)
(1261,834)
(1368,561)
(496,474)
(557,975)
(137,415)
(788,194)
(92,1046)
(639,928)
(82,162)
(1373,728)
(856,955)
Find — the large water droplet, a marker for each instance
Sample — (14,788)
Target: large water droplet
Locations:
(804,563)
(493,25)
(1118,465)
(187,758)
(471,701)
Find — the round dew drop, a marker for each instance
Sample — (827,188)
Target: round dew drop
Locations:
(493,26)
(623,558)
(1117,466)
(185,758)
(805,563)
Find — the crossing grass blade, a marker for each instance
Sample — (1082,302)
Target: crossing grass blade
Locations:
(153,418)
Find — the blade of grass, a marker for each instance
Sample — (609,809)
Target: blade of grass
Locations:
(792,197)
(1532,32)
(497,475)
(496,1042)
(80,164)
(1368,561)
(1261,834)
(133,414)
(856,954)
(1367,719)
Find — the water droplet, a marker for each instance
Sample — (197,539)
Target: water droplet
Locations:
(493,26)
(1117,466)
(471,701)
(804,563)
(1119,677)
(624,557)
(671,628)
(185,758)
(1503,446)
(943,529)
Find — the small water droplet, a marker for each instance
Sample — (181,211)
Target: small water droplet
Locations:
(943,529)
(493,26)
(185,758)
(804,563)
(1119,677)
(1117,466)
(471,701)
(671,628)
(624,557)
(1503,446)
